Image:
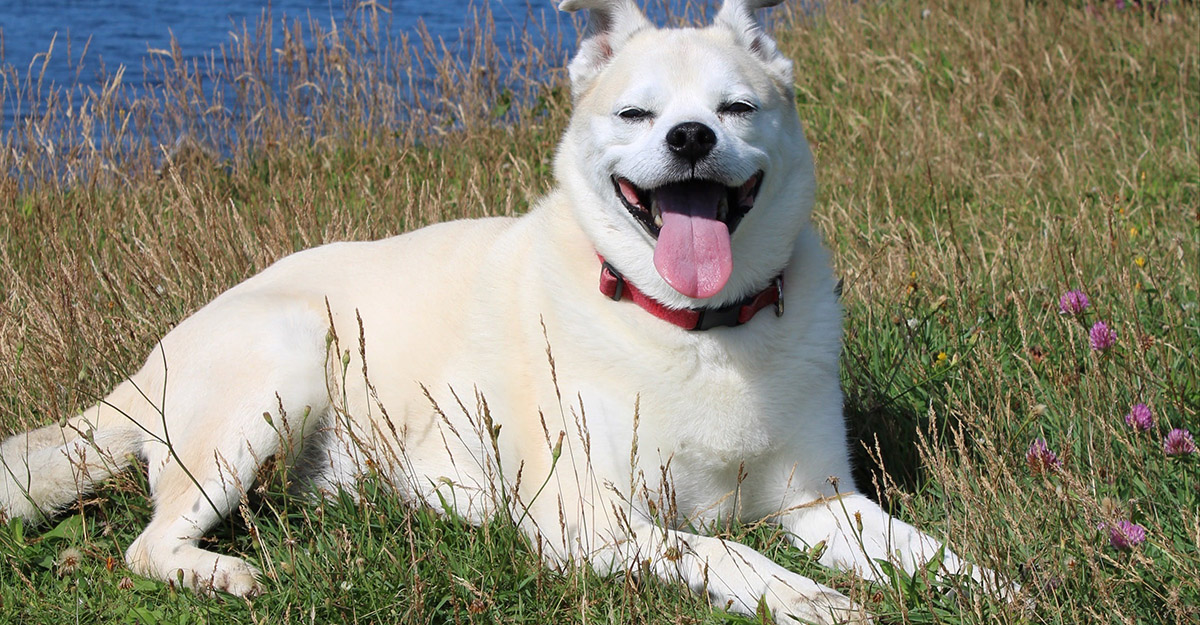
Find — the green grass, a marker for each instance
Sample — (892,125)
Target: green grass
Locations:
(974,164)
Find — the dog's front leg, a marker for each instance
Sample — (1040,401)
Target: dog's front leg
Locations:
(856,534)
(733,575)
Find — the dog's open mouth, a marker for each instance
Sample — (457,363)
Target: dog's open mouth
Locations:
(692,221)
(732,203)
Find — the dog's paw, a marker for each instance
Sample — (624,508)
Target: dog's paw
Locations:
(817,604)
(229,575)
(196,569)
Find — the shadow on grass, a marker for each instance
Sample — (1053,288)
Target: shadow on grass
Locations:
(883,446)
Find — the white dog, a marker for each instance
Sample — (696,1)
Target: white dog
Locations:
(624,347)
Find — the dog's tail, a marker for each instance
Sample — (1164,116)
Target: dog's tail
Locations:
(43,470)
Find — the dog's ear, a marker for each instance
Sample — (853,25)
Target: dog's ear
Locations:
(610,23)
(738,16)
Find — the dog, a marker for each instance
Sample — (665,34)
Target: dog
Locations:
(653,349)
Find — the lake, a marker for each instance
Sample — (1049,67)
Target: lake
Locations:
(75,44)
(121,32)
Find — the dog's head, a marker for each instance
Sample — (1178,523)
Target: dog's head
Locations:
(686,145)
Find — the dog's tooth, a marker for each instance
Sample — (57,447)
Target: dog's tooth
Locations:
(658,222)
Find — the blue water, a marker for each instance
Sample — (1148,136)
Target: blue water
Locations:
(72,46)
(105,34)
(87,39)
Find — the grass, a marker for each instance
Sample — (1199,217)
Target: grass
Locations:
(976,161)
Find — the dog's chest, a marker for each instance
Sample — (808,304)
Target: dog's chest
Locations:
(710,414)
(697,450)
(720,417)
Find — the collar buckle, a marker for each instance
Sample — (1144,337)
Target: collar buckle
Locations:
(612,283)
(778,282)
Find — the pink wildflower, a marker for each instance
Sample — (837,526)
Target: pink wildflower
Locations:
(1102,337)
(1073,302)
(1179,443)
(1040,458)
(1140,418)
(1126,535)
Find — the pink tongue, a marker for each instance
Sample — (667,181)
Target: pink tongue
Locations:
(693,253)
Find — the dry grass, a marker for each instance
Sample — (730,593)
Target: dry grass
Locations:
(974,162)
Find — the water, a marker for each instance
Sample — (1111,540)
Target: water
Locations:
(91,38)
(75,47)
(122,32)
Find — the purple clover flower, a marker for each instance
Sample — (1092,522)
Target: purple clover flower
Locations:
(1179,443)
(1042,459)
(1126,535)
(1073,302)
(1102,337)
(1140,418)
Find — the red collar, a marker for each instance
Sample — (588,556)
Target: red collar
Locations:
(614,285)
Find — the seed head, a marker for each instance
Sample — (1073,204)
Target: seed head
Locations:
(68,561)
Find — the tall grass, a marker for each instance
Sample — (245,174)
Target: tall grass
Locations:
(976,160)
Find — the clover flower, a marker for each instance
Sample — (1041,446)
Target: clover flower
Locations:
(1073,302)
(1179,443)
(1040,458)
(1140,418)
(1126,535)
(1102,338)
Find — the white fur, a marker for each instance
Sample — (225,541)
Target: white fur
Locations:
(661,429)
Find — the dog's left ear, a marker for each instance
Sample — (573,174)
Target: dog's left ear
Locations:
(738,16)
(610,23)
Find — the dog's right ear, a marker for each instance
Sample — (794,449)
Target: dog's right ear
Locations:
(610,23)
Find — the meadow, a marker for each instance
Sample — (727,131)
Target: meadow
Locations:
(977,162)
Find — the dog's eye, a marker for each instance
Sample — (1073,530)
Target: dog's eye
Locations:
(738,108)
(634,114)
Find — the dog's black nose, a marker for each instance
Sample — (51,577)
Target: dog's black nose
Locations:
(691,140)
